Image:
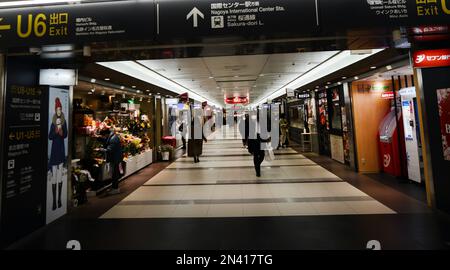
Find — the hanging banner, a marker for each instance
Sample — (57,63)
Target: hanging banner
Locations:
(57,153)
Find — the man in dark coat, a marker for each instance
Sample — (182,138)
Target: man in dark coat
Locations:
(57,134)
(114,155)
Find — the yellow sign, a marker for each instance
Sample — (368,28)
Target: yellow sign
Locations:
(4,26)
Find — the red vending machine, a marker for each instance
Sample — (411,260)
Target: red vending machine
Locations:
(390,155)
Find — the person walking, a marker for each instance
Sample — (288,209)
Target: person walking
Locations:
(195,145)
(284,130)
(244,129)
(254,148)
(114,155)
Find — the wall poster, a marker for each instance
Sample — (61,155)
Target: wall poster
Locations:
(443,99)
(58,123)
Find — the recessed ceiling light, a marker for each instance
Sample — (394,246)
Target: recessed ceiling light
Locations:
(328,82)
(373,67)
(317,86)
(122,87)
(93,90)
(211,77)
(344,77)
(158,93)
(137,91)
(316,90)
(147,90)
(93,80)
(326,86)
(107,79)
(356,78)
(134,86)
(261,75)
(339,83)
(90,93)
(388,67)
(150,94)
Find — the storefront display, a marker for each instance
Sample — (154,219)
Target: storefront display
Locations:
(302,120)
(128,119)
(382,93)
(323,125)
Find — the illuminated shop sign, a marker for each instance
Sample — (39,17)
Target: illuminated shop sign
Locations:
(304,96)
(387,95)
(236,100)
(432,58)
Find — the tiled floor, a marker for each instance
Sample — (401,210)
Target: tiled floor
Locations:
(220,204)
(224,184)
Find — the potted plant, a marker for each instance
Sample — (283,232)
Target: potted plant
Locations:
(166,151)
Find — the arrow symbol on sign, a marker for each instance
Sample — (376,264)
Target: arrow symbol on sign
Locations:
(195,13)
(4,27)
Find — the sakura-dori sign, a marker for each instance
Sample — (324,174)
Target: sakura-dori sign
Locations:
(432,58)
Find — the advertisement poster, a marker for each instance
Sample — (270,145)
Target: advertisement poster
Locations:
(57,175)
(443,99)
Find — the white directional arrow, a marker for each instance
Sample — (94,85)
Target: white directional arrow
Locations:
(195,13)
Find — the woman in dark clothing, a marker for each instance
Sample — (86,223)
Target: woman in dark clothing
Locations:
(244,129)
(57,134)
(195,145)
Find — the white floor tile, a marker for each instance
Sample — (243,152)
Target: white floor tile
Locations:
(333,208)
(296,209)
(225,210)
(261,209)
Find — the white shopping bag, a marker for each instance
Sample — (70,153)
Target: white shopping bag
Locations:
(268,153)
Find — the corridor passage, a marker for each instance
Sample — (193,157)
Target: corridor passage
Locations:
(224,184)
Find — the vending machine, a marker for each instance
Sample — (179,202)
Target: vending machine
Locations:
(411,133)
(390,155)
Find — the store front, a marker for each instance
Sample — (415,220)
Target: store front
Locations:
(432,70)
(302,121)
(387,137)
(333,122)
(97,107)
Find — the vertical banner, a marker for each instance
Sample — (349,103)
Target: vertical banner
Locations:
(443,99)
(57,169)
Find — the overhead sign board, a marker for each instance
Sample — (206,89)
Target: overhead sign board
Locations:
(212,17)
(166,20)
(102,21)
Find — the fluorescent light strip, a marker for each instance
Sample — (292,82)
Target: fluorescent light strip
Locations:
(140,72)
(36,2)
(339,61)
